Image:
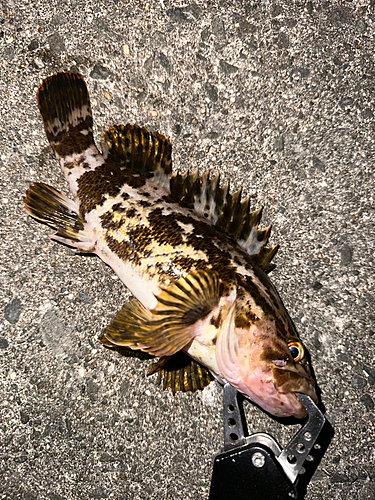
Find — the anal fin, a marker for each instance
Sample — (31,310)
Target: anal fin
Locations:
(46,204)
(180,373)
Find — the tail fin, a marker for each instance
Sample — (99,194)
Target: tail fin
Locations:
(64,104)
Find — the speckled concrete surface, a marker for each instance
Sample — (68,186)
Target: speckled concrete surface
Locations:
(278,97)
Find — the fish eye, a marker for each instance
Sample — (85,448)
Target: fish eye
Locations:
(297,351)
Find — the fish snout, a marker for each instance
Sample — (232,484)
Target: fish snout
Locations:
(295,377)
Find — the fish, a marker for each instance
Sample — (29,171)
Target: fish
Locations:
(190,252)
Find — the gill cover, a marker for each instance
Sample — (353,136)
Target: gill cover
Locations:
(244,358)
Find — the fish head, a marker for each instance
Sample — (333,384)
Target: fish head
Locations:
(273,371)
(259,352)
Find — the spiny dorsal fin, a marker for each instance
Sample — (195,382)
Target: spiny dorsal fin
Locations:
(169,327)
(149,154)
(226,211)
(140,151)
(180,373)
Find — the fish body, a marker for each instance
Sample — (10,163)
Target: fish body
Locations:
(189,251)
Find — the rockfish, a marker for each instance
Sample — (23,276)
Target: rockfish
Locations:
(188,250)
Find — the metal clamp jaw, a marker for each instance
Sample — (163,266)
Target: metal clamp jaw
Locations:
(255,467)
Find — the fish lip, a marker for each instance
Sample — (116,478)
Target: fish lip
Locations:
(306,384)
(298,369)
(306,389)
(303,412)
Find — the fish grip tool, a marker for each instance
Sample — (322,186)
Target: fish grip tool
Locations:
(255,467)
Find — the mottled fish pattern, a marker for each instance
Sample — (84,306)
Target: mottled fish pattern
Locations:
(190,252)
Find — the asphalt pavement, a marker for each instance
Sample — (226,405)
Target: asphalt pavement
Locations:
(276,96)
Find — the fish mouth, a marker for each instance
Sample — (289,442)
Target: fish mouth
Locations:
(282,404)
(276,394)
(291,379)
(288,405)
(294,405)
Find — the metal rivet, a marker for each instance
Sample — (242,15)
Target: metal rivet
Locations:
(258,459)
(308,436)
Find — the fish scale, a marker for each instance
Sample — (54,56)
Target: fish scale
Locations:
(190,252)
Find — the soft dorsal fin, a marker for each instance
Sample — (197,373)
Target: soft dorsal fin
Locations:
(226,211)
(141,152)
(149,154)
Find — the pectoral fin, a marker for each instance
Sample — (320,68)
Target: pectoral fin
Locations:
(169,327)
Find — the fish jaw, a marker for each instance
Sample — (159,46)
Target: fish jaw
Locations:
(257,363)
(260,386)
